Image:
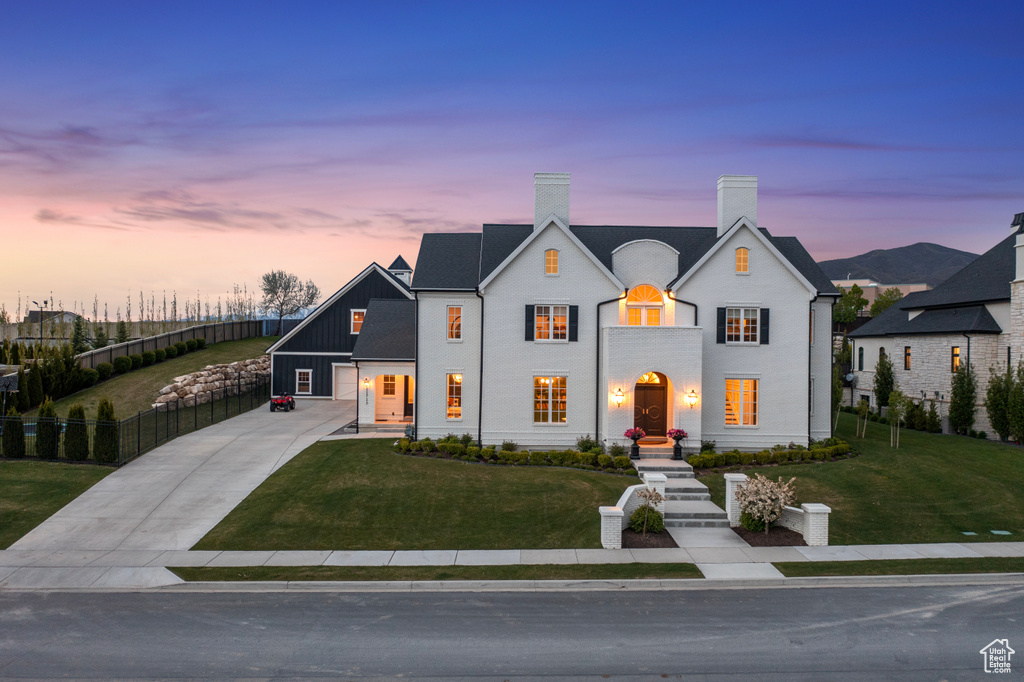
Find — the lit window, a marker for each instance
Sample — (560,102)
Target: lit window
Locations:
(303,381)
(389,384)
(954,364)
(551,323)
(741,325)
(454,396)
(643,306)
(357,320)
(549,398)
(906,357)
(742,259)
(551,262)
(454,322)
(741,402)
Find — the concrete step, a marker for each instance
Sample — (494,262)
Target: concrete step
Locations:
(697,523)
(687,497)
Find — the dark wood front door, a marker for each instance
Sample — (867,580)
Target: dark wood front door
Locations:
(650,408)
(408,398)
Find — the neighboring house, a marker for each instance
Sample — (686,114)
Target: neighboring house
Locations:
(314,360)
(51,317)
(871,290)
(976,317)
(543,333)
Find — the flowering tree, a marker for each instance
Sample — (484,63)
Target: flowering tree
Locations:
(763,500)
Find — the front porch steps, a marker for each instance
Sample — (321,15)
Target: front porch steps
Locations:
(688,503)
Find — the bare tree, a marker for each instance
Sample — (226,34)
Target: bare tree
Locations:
(284,294)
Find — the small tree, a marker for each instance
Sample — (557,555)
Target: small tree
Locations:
(837,393)
(763,500)
(885,381)
(932,421)
(997,401)
(47,440)
(863,408)
(284,294)
(885,300)
(122,332)
(849,304)
(22,401)
(13,443)
(899,405)
(105,445)
(647,515)
(76,435)
(79,336)
(962,399)
(35,384)
(99,336)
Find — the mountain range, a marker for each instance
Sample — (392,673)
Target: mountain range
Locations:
(921,262)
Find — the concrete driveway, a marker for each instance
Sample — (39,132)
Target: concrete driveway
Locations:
(171,497)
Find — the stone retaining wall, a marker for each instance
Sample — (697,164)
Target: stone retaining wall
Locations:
(212,380)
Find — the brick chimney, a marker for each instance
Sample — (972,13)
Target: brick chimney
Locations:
(737,198)
(551,195)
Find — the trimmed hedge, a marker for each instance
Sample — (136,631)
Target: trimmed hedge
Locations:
(171,352)
(160,354)
(191,345)
(200,343)
(451,448)
(148,358)
(90,377)
(182,347)
(711,460)
(122,364)
(105,369)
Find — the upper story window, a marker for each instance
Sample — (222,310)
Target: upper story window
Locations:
(357,320)
(454,323)
(954,362)
(742,260)
(551,323)
(644,306)
(741,325)
(551,262)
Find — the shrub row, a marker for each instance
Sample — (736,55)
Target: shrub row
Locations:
(470,453)
(735,457)
(127,363)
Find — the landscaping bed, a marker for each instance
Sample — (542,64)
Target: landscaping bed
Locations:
(461,448)
(776,536)
(633,540)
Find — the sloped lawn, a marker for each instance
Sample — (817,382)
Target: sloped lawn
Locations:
(358,494)
(932,489)
(30,492)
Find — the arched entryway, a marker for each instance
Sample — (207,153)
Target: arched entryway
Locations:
(650,404)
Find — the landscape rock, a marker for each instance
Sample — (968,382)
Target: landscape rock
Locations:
(218,380)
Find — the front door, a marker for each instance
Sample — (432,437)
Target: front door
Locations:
(408,397)
(650,408)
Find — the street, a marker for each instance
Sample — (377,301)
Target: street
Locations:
(931,632)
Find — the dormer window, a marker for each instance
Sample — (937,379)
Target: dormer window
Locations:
(551,262)
(644,306)
(742,260)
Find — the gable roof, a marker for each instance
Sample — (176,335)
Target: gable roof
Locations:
(372,267)
(388,331)
(460,261)
(399,264)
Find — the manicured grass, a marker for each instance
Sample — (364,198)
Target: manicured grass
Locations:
(932,489)
(797,569)
(359,494)
(552,572)
(135,391)
(32,491)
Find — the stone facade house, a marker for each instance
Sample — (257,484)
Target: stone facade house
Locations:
(975,317)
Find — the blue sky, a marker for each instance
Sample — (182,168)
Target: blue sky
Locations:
(190,146)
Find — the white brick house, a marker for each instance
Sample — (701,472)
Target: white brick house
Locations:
(543,333)
(976,317)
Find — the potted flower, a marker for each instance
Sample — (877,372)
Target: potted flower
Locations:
(635,434)
(677,435)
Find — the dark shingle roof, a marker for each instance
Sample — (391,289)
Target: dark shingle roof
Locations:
(9,383)
(971,319)
(986,278)
(448,261)
(399,264)
(388,331)
(456,261)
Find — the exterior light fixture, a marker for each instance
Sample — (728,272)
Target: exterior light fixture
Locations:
(619,397)
(691,398)
(366,390)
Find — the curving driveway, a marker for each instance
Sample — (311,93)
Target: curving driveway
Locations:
(171,497)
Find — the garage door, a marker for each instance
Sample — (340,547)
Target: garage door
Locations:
(344,382)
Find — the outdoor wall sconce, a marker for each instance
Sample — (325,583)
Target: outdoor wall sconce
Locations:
(691,398)
(366,390)
(619,397)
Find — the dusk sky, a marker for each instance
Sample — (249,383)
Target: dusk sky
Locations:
(190,146)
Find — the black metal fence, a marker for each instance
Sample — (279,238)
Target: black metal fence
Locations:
(144,431)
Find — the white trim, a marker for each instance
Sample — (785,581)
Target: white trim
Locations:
(338,294)
(552,219)
(310,391)
(352,319)
(744,222)
(641,241)
(288,352)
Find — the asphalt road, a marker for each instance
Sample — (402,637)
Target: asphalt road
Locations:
(771,634)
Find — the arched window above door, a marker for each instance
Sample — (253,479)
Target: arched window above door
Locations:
(644,306)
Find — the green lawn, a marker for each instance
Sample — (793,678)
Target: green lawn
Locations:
(136,391)
(930,490)
(546,572)
(796,569)
(358,494)
(30,492)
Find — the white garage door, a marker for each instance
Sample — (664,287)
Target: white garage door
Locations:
(345,383)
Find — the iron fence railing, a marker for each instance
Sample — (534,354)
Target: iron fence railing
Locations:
(135,435)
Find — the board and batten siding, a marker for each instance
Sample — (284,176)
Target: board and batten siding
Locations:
(323,372)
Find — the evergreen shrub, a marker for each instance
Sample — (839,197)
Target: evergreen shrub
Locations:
(622,462)
(89,377)
(136,359)
(122,364)
(160,354)
(182,347)
(171,352)
(191,345)
(13,440)
(76,435)
(148,358)
(104,444)
(105,369)
(655,521)
(200,343)
(47,425)
(605,461)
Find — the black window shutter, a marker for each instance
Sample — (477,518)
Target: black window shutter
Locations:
(721,326)
(764,326)
(574,323)
(529,323)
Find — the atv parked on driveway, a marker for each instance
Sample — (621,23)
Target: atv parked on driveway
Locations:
(282,402)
